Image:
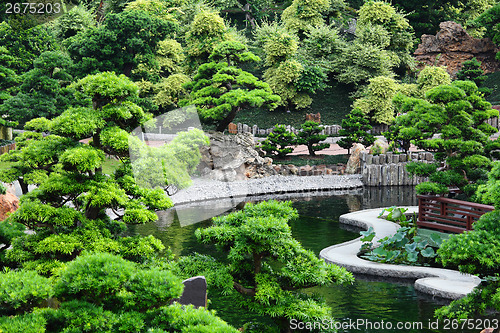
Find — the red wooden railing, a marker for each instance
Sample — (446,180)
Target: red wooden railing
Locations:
(449,215)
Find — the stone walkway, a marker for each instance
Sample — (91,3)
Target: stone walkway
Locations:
(444,283)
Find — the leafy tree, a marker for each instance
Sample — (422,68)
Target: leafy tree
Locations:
(302,15)
(101,292)
(490,20)
(8,77)
(432,76)
(266,267)
(279,142)
(355,129)
(120,44)
(26,44)
(220,89)
(310,136)
(289,78)
(68,209)
(425,15)
(44,90)
(321,45)
(457,113)
(205,32)
(376,105)
(360,61)
(395,24)
(78,19)
(471,70)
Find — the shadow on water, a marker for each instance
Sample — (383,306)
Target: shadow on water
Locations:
(367,300)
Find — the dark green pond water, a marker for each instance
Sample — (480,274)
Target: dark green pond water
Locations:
(317,228)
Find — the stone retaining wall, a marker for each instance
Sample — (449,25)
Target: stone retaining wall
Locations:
(390,169)
(5,149)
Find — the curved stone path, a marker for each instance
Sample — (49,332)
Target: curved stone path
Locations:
(439,282)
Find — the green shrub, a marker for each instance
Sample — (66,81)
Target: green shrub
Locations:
(94,278)
(22,290)
(310,136)
(355,127)
(278,142)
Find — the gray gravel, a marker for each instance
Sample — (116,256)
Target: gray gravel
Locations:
(203,189)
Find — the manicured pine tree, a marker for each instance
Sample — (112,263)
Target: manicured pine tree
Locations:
(220,89)
(266,268)
(278,143)
(68,209)
(471,71)
(310,136)
(355,129)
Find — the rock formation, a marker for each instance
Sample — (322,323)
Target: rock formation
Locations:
(8,204)
(354,163)
(452,45)
(233,157)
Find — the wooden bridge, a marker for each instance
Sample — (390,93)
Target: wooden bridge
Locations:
(448,215)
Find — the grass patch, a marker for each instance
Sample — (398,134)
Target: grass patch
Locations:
(493,82)
(301,160)
(333,104)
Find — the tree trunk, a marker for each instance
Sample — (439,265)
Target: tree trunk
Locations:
(226,121)
(257,262)
(24,186)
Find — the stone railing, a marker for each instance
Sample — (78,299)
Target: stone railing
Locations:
(390,169)
(256,131)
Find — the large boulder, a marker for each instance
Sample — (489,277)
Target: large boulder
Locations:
(233,157)
(379,147)
(452,45)
(9,203)
(354,163)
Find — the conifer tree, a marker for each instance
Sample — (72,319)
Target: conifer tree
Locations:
(310,136)
(278,143)
(355,129)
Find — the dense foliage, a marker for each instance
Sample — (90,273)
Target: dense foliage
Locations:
(462,149)
(310,135)
(355,129)
(279,142)
(100,293)
(266,267)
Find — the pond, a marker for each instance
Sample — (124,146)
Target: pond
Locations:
(318,227)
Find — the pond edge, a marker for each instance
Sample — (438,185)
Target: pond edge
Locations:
(444,283)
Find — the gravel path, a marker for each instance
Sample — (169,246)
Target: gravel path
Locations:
(203,190)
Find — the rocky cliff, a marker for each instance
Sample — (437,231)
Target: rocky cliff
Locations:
(452,45)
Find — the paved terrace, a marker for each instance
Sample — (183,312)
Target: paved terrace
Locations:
(439,282)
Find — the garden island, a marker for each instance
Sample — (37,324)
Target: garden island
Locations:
(249,166)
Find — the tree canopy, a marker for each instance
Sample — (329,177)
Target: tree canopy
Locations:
(267,268)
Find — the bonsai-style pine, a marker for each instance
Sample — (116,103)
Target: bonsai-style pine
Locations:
(310,136)
(462,150)
(220,89)
(471,71)
(68,210)
(278,143)
(266,267)
(355,129)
